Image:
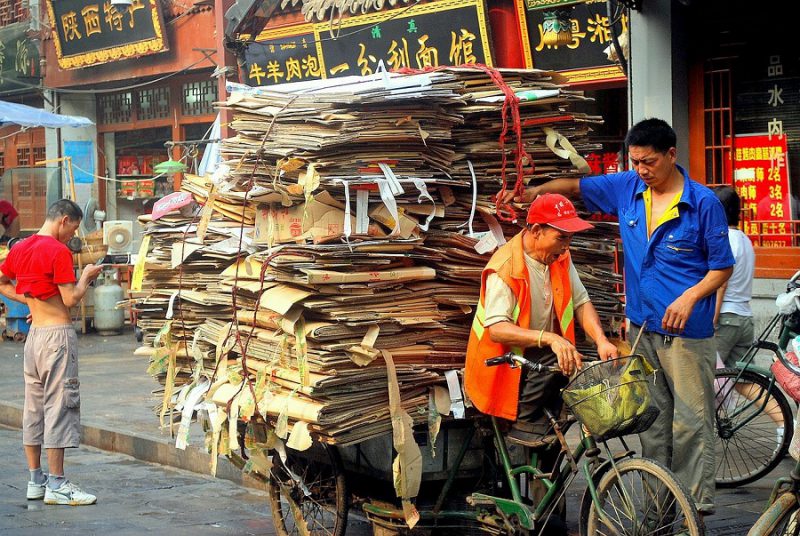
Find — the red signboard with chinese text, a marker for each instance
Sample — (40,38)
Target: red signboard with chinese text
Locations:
(761,178)
(603,163)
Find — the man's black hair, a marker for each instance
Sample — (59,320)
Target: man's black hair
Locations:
(730,202)
(655,133)
(64,207)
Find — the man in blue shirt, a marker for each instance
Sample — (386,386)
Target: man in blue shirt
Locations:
(675,239)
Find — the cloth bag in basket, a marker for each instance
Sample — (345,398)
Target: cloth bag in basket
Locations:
(612,402)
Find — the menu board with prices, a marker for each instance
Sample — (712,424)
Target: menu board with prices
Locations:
(761,178)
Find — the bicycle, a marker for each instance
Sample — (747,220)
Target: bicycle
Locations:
(782,515)
(749,400)
(624,495)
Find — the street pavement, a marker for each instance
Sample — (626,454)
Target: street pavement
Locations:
(122,435)
(134,498)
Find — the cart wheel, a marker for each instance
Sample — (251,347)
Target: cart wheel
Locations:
(309,489)
(5,335)
(19,337)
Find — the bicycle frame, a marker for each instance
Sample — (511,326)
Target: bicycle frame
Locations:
(786,483)
(746,364)
(514,508)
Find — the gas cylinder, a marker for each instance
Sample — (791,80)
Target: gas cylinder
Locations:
(108,320)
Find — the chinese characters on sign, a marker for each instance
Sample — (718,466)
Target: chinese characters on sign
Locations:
(89,32)
(19,58)
(761,178)
(583,59)
(603,163)
(447,32)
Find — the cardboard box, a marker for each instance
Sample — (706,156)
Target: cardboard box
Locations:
(146,188)
(315,221)
(127,189)
(415,273)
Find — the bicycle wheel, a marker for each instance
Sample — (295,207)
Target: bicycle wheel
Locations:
(781,518)
(748,444)
(639,497)
(308,493)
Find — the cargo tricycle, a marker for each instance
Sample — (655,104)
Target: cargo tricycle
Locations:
(476,480)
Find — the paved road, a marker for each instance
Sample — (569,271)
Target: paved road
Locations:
(137,497)
(134,498)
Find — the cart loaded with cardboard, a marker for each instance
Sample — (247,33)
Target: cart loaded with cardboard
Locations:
(312,312)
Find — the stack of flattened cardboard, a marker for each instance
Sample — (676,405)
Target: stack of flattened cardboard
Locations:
(368,213)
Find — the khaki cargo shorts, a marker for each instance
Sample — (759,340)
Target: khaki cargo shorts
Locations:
(51,415)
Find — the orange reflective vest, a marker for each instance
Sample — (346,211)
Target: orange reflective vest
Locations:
(495,390)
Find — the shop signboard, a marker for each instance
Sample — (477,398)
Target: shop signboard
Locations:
(583,59)
(19,58)
(761,178)
(447,32)
(90,32)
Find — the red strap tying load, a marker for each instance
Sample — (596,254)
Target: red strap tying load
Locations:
(521,157)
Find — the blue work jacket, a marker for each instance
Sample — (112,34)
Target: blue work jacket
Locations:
(677,256)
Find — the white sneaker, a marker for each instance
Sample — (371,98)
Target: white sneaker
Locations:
(779,432)
(68,493)
(36,491)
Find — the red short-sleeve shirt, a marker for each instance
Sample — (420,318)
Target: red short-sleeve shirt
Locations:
(39,264)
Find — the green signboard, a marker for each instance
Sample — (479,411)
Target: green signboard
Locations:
(19,59)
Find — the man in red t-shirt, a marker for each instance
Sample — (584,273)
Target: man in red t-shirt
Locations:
(8,220)
(42,267)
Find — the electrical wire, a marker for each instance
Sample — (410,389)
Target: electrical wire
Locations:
(113,90)
(112,179)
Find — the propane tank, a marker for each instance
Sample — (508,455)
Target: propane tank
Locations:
(108,320)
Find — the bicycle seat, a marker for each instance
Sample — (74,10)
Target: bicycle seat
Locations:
(531,440)
(532,434)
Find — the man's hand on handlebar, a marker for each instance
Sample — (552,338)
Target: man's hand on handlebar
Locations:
(569,359)
(510,358)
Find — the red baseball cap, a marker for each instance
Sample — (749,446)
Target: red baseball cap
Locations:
(556,211)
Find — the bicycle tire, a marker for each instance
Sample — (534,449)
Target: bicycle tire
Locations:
(324,509)
(782,517)
(626,492)
(747,454)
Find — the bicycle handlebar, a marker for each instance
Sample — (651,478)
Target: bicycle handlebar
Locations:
(776,349)
(515,360)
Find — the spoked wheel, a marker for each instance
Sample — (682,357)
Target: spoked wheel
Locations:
(308,493)
(641,497)
(748,419)
(782,518)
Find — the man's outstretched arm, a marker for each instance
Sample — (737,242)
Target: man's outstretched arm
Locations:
(567,187)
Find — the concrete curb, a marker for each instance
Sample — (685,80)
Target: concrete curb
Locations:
(148,449)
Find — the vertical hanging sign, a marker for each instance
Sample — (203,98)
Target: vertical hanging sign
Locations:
(761,178)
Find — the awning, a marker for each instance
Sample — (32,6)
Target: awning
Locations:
(28,116)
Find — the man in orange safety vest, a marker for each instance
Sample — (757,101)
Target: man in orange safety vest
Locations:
(530,297)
